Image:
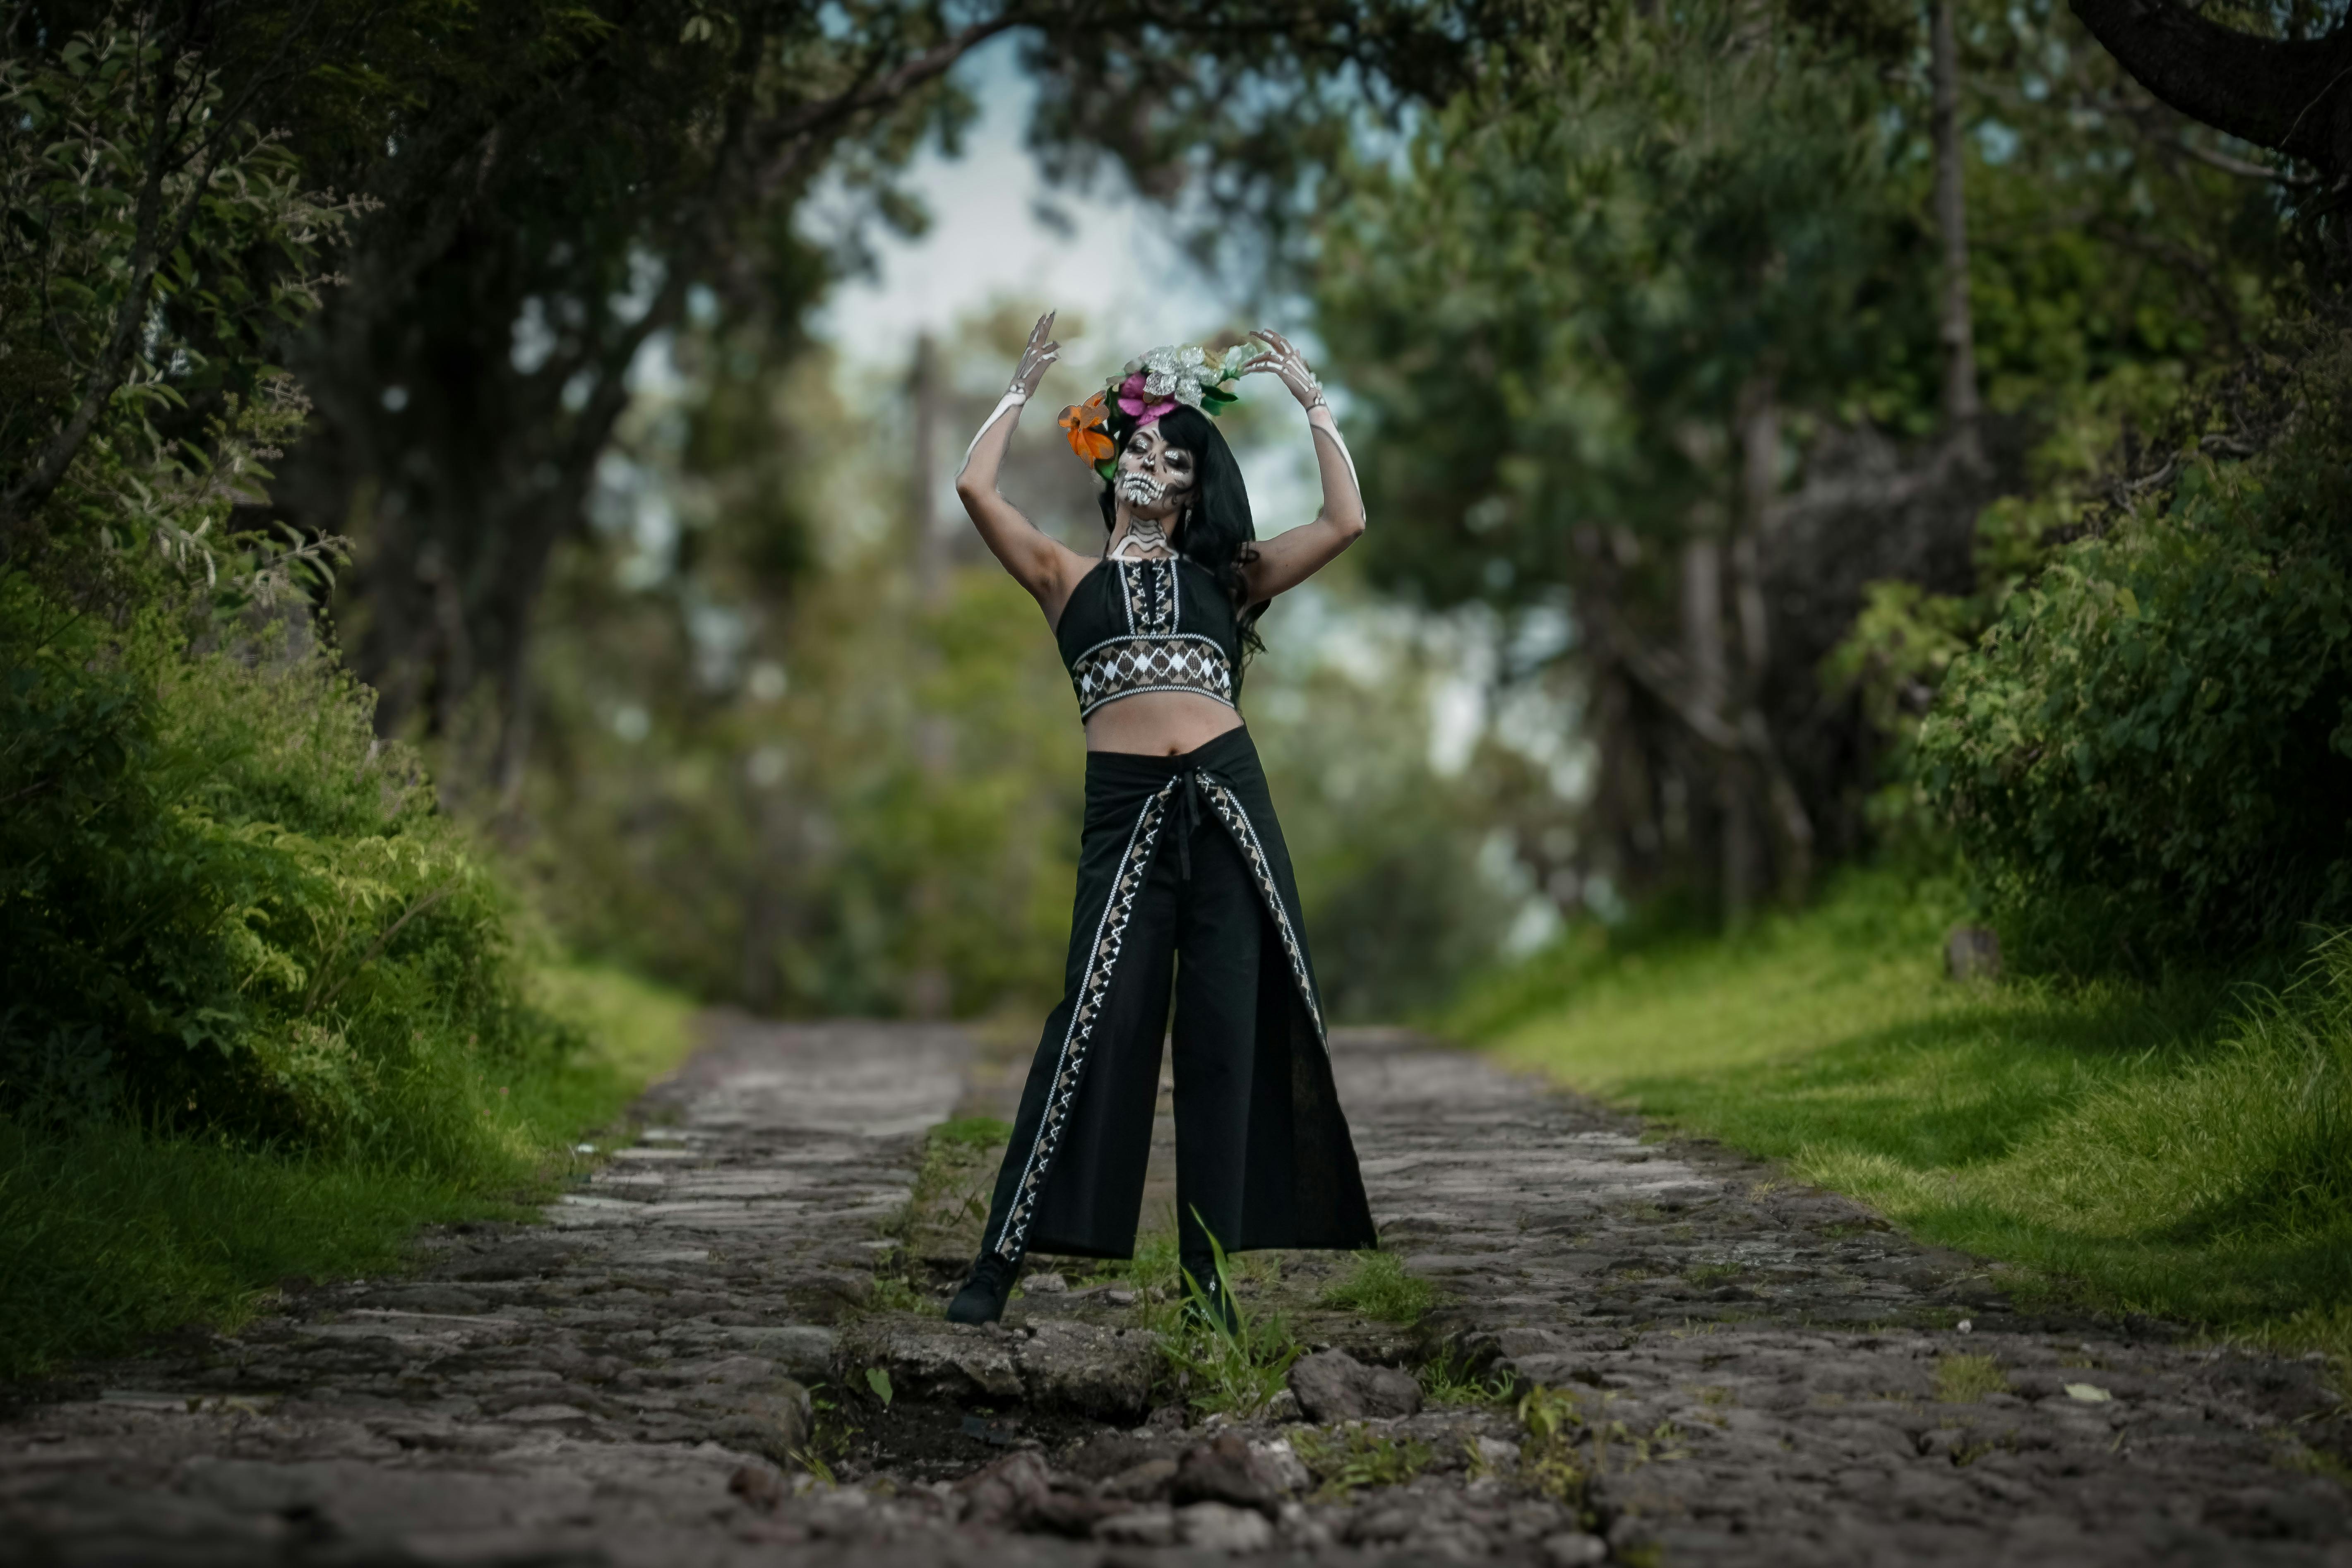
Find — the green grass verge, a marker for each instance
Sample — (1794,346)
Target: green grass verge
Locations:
(108,1233)
(2182,1148)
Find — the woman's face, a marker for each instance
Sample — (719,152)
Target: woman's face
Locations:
(1155,480)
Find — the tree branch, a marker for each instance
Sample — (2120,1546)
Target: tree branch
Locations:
(2288,95)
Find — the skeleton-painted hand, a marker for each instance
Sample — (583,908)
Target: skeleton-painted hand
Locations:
(1037,357)
(1286,363)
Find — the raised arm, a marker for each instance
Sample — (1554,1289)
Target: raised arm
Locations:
(1289,559)
(1044,565)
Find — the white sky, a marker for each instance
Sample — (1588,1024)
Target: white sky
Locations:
(985,242)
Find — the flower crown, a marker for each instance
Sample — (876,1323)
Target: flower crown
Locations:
(1149,387)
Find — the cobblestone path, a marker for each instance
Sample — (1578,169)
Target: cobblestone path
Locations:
(1756,1373)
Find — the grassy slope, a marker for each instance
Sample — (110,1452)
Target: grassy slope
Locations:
(2184,1149)
(111,1234)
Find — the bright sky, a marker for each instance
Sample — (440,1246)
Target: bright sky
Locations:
(986,242)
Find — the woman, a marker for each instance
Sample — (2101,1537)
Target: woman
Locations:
(1181,859)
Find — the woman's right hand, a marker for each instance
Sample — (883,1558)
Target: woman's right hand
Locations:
(1037,357)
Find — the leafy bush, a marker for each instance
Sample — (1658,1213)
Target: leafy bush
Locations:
(2153,744)
(224,904)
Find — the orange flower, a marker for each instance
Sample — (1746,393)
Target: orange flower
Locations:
(1084,422)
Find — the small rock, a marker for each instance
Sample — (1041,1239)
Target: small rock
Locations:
(1225,1470)
(1496,1456)
(772,1421)
(1120,1298)
(1002,1494)
(1086,1370)
(1302,1531)
(1106,1454)
(1046,1285)
(1281,1462)
(1283,1406)
(1167,1418)
(757,1486)
(1332,1385)
(1972,953)
(1146,1482)
(1574,1549)
(1380,1526)
(1138,1527)
(1217,1527)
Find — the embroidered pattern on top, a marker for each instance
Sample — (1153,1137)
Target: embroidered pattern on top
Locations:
(1151,588)
(1093,990)
(1155,655)
(1228,808)
(1126,666)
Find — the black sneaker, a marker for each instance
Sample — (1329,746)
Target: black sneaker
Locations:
(982,1300)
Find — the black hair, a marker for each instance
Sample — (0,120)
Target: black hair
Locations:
(1217,531)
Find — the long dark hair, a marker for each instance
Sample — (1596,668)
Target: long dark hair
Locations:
(1217,532)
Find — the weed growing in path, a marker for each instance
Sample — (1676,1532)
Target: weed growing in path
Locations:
(1355,1456)
(1451,1379)
(1965,1379)
(1378,1287)
(1237,1371)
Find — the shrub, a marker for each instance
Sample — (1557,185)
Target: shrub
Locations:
(2153,741)
(225,905)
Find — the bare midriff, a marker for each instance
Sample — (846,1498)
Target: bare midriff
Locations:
(1158,724)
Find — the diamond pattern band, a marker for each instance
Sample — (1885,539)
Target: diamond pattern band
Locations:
(1126,666)
(1228,808)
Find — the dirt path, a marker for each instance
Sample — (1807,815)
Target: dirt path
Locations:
(1750,1372)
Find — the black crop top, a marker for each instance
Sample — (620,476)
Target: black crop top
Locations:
(1150,626)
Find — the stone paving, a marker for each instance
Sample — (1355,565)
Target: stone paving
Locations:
(1750,1372)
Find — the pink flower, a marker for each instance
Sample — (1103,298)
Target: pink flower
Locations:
(1135,400)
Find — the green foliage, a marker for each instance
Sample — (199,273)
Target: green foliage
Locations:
(1236,1368)
(1966,1378)
(1548,1460)
(1378,1287)
(1453,1379)
(226,907)
(1552,308)
(2153,742)
(1355,1456)
(111,1231)
(2180,1149)
(143,212)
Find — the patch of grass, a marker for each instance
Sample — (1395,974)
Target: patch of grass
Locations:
(1354,1456)
(947,1205)
(1451,1379)
(2182,1148)
(1965,1379)
(112,1231)
(1378,1287)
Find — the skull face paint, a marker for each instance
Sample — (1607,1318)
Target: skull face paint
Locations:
(1155,480)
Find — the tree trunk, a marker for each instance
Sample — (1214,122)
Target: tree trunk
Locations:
(1758,435)
(1954,327)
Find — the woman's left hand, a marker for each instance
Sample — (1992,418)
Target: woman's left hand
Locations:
(1286,363)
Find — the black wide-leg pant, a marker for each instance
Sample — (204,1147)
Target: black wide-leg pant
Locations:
(1183,881)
